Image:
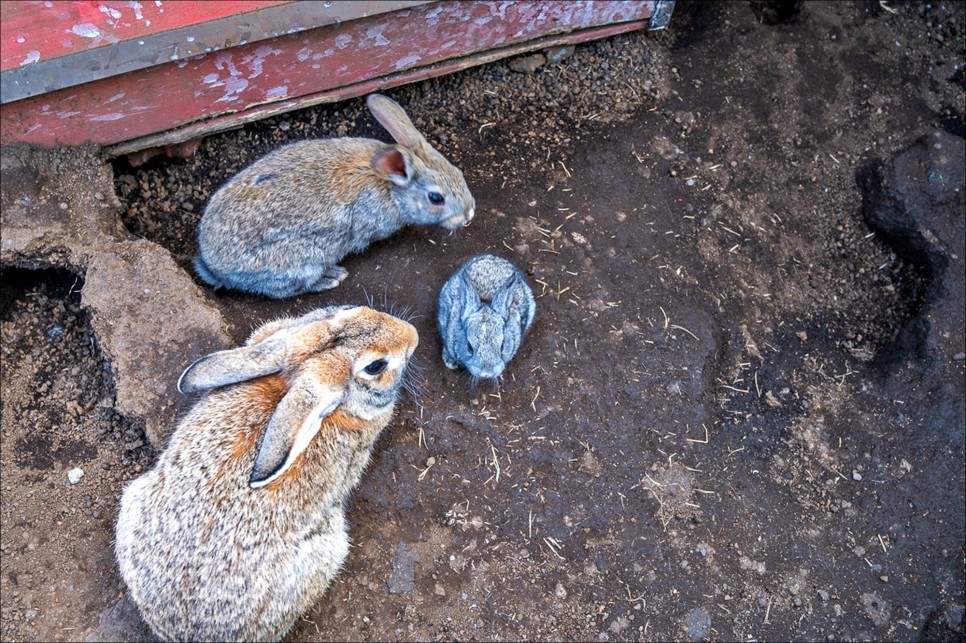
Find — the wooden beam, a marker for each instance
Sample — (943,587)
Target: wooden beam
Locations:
(111,41)
(315,65)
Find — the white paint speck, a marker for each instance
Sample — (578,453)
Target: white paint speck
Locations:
(48,4)
(86,29)
(190,38)
(74,475)
(116,97)
(376,34)
(113,13)
(21,40)
(407,61)
(115,116)
(277,92)
(137,10)
(233,84)
(32,57)
(342,40)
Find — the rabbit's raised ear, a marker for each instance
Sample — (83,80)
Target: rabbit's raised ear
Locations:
(469,298)
(235,365)
(504,299)
(391,116)
(504,296)
(393,164)
(297,419)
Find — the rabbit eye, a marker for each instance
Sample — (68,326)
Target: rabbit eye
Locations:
(376,367)
(469,348)
(436,198)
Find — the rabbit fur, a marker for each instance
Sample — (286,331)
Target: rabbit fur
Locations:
(280,226)
(485,309)
(240,527)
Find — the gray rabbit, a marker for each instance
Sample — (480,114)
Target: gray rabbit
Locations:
(280,226)
(485,309)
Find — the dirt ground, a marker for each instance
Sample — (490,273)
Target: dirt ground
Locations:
(738,415)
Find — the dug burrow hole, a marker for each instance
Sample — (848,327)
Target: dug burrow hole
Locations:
(918,267)
(59,397)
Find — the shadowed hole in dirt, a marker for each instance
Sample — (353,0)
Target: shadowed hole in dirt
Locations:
(950,119)
(916,279)
(777,12)
(69,376)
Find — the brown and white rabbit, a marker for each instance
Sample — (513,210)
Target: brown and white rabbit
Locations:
(280,226)
(240,528)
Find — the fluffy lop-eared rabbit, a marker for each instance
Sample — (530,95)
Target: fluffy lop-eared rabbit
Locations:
(280,226)
(485,309)
(240,527)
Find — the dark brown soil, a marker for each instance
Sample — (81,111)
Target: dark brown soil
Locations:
(739,413)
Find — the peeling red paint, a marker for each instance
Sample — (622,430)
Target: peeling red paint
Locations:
(329,60)
(29,26)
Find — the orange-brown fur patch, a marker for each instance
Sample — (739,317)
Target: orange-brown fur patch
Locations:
(338,422)
(264,394)
(354,174)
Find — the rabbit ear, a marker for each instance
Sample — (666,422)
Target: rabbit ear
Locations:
(391,116)
(393,164)
(469,298)
(297,419)
(235,365)
(504,296)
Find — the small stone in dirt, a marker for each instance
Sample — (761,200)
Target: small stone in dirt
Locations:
(74,475)
(959,357)
(401,579)
(856,475)
(590,465)
(559,54)
(823,595)
(698,624)
(527,64)
(771,400)
(560,591)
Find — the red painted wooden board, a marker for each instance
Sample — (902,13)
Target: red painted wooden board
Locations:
(35,31)
(232,81)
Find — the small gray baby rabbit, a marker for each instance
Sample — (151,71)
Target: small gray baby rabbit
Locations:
(280,226)
(485,309)
(240,527)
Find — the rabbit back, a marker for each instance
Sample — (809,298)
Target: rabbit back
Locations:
(211,551)
(190,537)
(485,309)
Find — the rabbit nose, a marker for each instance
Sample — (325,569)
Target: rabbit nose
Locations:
(469,217)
